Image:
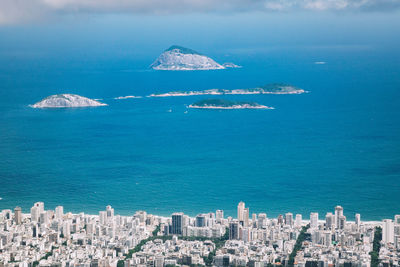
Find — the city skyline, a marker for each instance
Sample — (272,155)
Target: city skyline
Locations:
(140,238)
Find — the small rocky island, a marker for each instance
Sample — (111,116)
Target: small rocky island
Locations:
(226,104)
(278,88)
(275,88)
(67,101)
(182,58)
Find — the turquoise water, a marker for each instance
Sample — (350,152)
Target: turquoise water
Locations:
(337,145)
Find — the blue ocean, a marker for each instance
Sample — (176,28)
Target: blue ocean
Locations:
(337,145)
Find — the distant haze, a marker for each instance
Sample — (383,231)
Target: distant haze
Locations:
(12,11)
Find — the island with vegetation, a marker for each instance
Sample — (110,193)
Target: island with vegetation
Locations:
(181,58)
(67,101)
(275,88)
(226,104)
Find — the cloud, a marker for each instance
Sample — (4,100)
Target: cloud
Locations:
(17,11)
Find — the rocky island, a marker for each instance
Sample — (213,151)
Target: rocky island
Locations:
(126,97)
(226,104)
(182,58)
(276,88)
(67,101)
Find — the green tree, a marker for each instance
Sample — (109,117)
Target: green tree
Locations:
(298,245)
(376,247)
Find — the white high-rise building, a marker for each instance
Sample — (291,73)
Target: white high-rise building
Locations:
(40,206)
(89,228)
(397,219)
(240,211)
(388,231)
(44,218)
(314,220)
(219,215)
(254,218)
(245,235)
(262,221)
(59,212)
(103,217)
(246,217)
(299,219)
(66,229)
(159,261)
(289,218)
(110,212)
(329,220)
(18,215)
(338,213)
(358,219)
(35,214)
(327,239)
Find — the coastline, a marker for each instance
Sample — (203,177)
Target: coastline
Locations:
(304,221)
(190,211)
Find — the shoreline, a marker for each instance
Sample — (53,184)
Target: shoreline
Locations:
(190,213)
(28,215)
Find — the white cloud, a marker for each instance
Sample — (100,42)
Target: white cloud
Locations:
(15,11)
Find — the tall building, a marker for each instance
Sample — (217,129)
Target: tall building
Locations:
(246,217)
(245,235)
(219,215)
(35,230)
(314,219)
(185,221)
(262,220)
(234,230)
(329,220)
(59,212)
(210,219)
(66,229)
(44,218)
(254,220)
(40,206)
(358,219)
(342,222)
(103,217)
(338,213)
(327,239)
(177,223)
(141,214)
(299,219)
(388,231)
(280,219)
(289,218)
(110,212)
(200,220)
(240,211)
(17,215)
(35,213)
(36,210)
(397,219)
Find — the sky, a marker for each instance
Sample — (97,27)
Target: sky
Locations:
(16,11)
(141,29)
